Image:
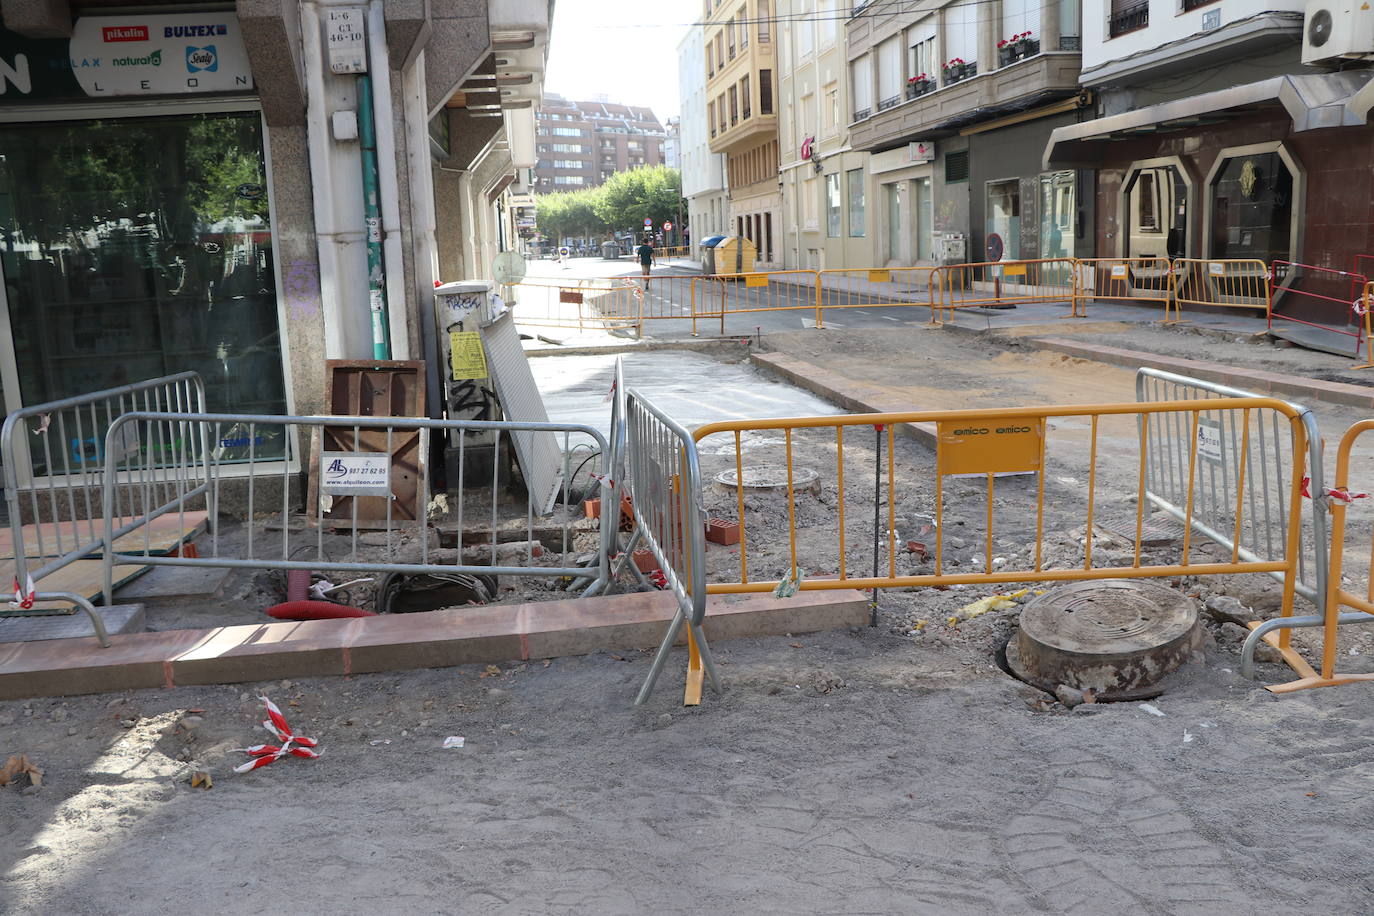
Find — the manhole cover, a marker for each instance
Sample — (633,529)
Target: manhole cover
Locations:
(1116,637)
(771,477)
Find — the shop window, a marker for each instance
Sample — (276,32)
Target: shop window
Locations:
(855,178)
(1002,218)
(832,205)
(140,247)
(1156,203)
(1057,215)
(1251,201)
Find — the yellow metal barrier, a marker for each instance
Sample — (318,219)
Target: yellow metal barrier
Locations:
(1122,279)
(846,288)
(991,284)
(861,499)
(1363,306)
(759,291)
(681,251)
(608,304)
(1338,497)
(1234,283)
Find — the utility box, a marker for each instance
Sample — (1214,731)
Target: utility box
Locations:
(952,248)
(733,255)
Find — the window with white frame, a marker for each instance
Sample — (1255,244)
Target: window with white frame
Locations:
(920,40)
(567,132)
(832,205)
(1020,17)
(889,73)
(567,164)
(961,31)
(567,179)
(804,26)
(828,22)
(861,82)
(856,202)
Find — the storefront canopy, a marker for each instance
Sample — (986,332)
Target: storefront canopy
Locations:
(1316,101)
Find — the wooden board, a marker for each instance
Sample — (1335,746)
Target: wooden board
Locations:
(84,578)
(163,535)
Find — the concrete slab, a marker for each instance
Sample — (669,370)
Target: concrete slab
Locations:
(168,584)
(398,641)
(118,619)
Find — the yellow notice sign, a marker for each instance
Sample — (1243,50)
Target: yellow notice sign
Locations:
(466,355)
(756,279)
(1014,270)
(994,445)
(879,276)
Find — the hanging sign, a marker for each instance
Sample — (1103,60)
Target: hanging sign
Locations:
(355,473)
(990,445)
(110,56)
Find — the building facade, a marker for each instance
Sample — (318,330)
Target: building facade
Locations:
(827,186)
(955,102)
(251,190)
(1225,132)
(742,120)
(582,144)
(703,171)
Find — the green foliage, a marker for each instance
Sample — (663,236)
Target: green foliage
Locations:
(621,203)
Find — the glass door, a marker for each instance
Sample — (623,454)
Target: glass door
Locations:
(894,222)
(924,212)
(138,247)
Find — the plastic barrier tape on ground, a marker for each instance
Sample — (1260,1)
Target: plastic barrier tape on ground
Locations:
(264,754)
(24,597)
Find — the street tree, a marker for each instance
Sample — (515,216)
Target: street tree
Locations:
(629,198)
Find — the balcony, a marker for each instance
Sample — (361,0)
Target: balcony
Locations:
(889,102)
(1013,51)
(1129,18)
(957,73)
(744,133)
(926,107)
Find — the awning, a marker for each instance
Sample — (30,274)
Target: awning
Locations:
(1315,101)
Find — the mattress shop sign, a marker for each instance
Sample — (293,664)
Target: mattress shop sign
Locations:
(110,56)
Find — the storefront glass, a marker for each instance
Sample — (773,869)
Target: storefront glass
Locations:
(1252,209)
(1056,215)
(1004,216)
(139,247)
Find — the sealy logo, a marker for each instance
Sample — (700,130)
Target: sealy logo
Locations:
(124,33)
(152,60)
(193,31)
(198,59)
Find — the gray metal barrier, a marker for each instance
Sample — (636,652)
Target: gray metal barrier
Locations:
(1239,470)
(56,485)
(364,463)
(663,478)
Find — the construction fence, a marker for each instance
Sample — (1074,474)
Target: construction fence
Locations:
(1276,290)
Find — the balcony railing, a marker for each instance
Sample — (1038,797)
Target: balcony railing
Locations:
(862,113)
(889,102)
(917,88)
(1194,4)
(1128,19)
(960,72)
(1017,50)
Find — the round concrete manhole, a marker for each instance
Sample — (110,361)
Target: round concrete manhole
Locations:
(771,477)
(1115,637)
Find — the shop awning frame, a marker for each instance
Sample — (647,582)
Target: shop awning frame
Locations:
(1311,101)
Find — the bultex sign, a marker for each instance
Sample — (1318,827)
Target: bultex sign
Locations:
(110,56)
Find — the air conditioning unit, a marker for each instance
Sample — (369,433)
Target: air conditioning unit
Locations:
(1335,29)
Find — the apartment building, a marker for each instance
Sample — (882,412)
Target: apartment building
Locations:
(956,101)
(741,115)
(1230,129)
(581,144)
(703,171)
(827,188)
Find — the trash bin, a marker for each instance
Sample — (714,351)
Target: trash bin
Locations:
(708,253)
(610,251)
(734,255)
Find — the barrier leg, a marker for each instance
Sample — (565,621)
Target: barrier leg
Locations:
(660,657)
(86,606)
(691,694)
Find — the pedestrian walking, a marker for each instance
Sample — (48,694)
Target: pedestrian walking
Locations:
(646,260)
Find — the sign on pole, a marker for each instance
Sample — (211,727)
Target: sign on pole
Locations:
(648,223)
(668,226)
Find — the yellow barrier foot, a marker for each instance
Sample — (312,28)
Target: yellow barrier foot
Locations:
(1309,683)
(696,674)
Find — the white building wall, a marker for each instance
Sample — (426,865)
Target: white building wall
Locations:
(703,172)
(1168,24)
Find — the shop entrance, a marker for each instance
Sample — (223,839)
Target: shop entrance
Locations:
(138,247)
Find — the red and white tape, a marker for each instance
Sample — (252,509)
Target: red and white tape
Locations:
(289,742)
(24,597)
(604,479)
(1338,494)
(610,394)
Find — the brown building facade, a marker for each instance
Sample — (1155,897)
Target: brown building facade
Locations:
(582,144)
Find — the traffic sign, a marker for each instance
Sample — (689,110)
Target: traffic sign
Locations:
(648,223)
(667,227)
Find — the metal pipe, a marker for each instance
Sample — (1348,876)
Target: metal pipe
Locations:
(385,125)
(372,218)
(1247,650)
